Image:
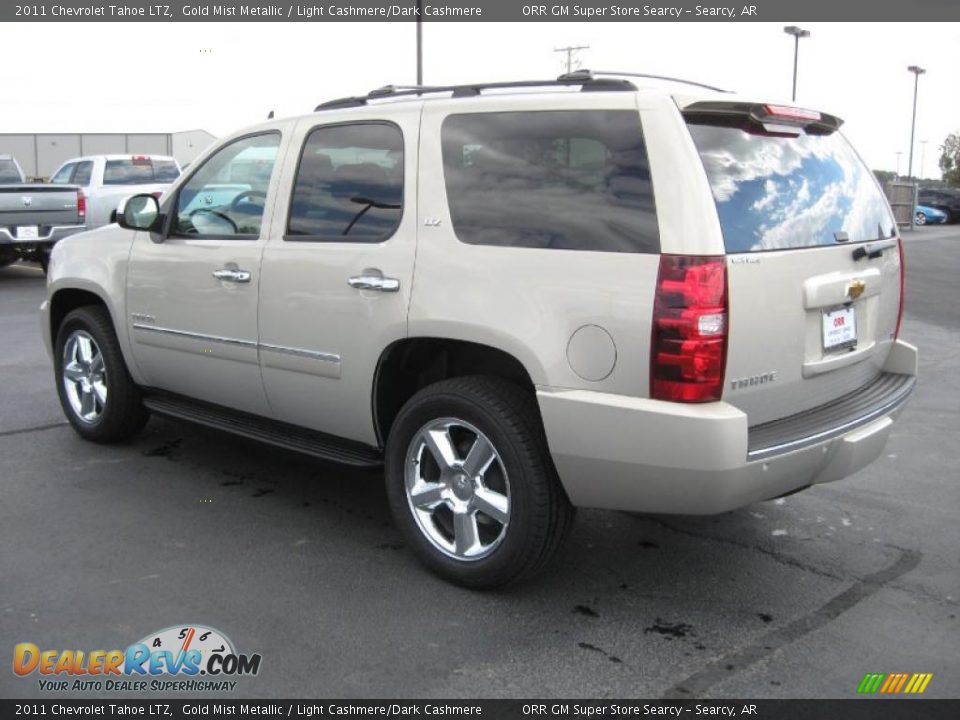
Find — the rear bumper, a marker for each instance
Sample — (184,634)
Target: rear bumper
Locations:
(50,236)
(643,455)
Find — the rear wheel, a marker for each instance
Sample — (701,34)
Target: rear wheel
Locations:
(96,391)
(471,483)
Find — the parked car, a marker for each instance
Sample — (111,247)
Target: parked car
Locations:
(929,216)
(108,179)
(34,217)
(946,200)
(645,296)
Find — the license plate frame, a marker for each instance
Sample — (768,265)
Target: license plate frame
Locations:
(839,328)
(28,232)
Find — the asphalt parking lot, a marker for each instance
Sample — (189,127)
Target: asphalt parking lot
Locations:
(299,561)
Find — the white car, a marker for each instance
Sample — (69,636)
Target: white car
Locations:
(107,179)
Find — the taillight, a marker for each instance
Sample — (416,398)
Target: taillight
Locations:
(689,345)
(81,205)
(903,287)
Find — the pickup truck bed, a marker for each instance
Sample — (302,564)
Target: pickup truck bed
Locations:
(34,217)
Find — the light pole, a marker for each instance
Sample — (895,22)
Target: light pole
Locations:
(797,34)
(419,44)
(917,72)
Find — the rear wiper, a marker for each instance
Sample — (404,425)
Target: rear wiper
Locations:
(873,250)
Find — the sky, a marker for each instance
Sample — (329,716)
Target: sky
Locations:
(166,77)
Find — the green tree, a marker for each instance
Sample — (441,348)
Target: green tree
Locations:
(950,159)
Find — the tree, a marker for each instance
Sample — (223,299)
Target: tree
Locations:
(950,159)
(885,176)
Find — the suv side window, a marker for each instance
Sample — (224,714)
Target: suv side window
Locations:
(226,195)
(63,174)
(83,173)
(349,185)
(563,180)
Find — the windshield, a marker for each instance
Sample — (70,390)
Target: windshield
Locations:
(9,175)
(140,171)
(777,191)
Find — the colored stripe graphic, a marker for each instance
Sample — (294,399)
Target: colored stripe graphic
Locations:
(894,683)
(870,683)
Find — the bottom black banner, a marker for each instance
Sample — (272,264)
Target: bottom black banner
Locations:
(874,709)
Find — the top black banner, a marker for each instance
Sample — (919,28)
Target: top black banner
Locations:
(483,10)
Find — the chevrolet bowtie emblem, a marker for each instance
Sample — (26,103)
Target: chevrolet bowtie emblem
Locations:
(855,289)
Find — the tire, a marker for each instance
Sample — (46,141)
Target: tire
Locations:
(96,391)
(504,523)
(920,219)
(44,260)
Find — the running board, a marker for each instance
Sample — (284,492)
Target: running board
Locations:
(271,432)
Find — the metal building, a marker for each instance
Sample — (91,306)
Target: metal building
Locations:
(40,154)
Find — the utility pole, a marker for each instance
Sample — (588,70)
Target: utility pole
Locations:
(570,50)
(419,43)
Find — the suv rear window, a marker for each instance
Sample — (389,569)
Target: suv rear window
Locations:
(778,191)
(564,180)
(139,171)
(9,175)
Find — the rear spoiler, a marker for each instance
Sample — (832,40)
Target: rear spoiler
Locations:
(771,117)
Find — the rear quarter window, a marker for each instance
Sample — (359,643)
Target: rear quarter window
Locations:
(9,175)
(560,180)
(775,192)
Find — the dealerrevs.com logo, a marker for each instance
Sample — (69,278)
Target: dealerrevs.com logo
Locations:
(186,658)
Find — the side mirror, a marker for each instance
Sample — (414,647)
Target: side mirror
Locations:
(139,212)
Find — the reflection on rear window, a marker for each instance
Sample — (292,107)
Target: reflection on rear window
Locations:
(139,171)
(775,192)
(8,173)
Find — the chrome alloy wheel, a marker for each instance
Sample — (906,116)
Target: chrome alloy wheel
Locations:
(457,489)
(84,377)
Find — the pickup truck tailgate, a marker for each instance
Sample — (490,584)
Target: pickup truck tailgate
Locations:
(39,205)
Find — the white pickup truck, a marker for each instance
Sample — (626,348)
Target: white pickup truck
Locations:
(108,179)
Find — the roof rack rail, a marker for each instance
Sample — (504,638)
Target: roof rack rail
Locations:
(598,74)
(587,84)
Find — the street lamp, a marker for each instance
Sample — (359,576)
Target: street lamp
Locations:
(917,72)
(797,34)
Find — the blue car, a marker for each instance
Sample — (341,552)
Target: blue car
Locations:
(929,216)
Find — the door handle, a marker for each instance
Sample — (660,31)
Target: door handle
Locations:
(228,275)
(374,282)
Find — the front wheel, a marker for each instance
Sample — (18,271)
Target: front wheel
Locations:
(921,218)
(96,391)
(471,483)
